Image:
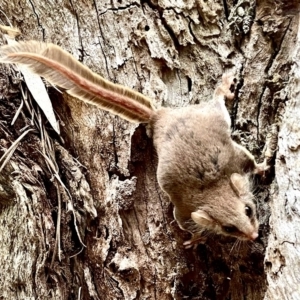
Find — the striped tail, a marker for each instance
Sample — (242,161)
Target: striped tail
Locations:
(60,68)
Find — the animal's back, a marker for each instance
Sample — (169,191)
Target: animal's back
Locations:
(193,144)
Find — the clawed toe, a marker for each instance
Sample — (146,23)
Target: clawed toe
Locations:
(261,168)
(194,241)
(228,85)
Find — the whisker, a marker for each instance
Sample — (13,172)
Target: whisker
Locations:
(234,244)
(250,245)
(239,244)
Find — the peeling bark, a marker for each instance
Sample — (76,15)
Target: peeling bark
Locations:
(106,231)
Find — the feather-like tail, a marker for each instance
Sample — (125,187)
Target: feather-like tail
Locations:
(62,69)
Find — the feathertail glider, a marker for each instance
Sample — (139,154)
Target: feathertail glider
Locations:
(62,69)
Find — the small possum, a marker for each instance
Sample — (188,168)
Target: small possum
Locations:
(202,170)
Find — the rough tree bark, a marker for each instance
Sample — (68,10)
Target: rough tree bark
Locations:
(108,199)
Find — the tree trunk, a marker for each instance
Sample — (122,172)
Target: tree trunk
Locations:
(282,255)
(82,215)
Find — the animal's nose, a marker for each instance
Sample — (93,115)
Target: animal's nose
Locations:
(253,236)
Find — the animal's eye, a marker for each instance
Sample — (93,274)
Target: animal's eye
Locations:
(248,211)
(230,229)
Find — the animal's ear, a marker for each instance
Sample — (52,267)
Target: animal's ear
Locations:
(239,184)
(202,218)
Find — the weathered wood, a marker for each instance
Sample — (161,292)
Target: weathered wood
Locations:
(174,52)
(282,255)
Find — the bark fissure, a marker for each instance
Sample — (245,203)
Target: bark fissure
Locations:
(116,159)
(38,19)
(226,10)
(259,104)
(102,35)
(81,49)
(136,68)
(235,105)
(163,21)
(278,48)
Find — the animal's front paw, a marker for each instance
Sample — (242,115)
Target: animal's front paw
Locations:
(226,88)
(228,85)
(261,168)
(194,241)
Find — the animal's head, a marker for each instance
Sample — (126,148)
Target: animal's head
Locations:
(230,210)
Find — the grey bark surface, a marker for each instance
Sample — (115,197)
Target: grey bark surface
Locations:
(175,52)
(282,254)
